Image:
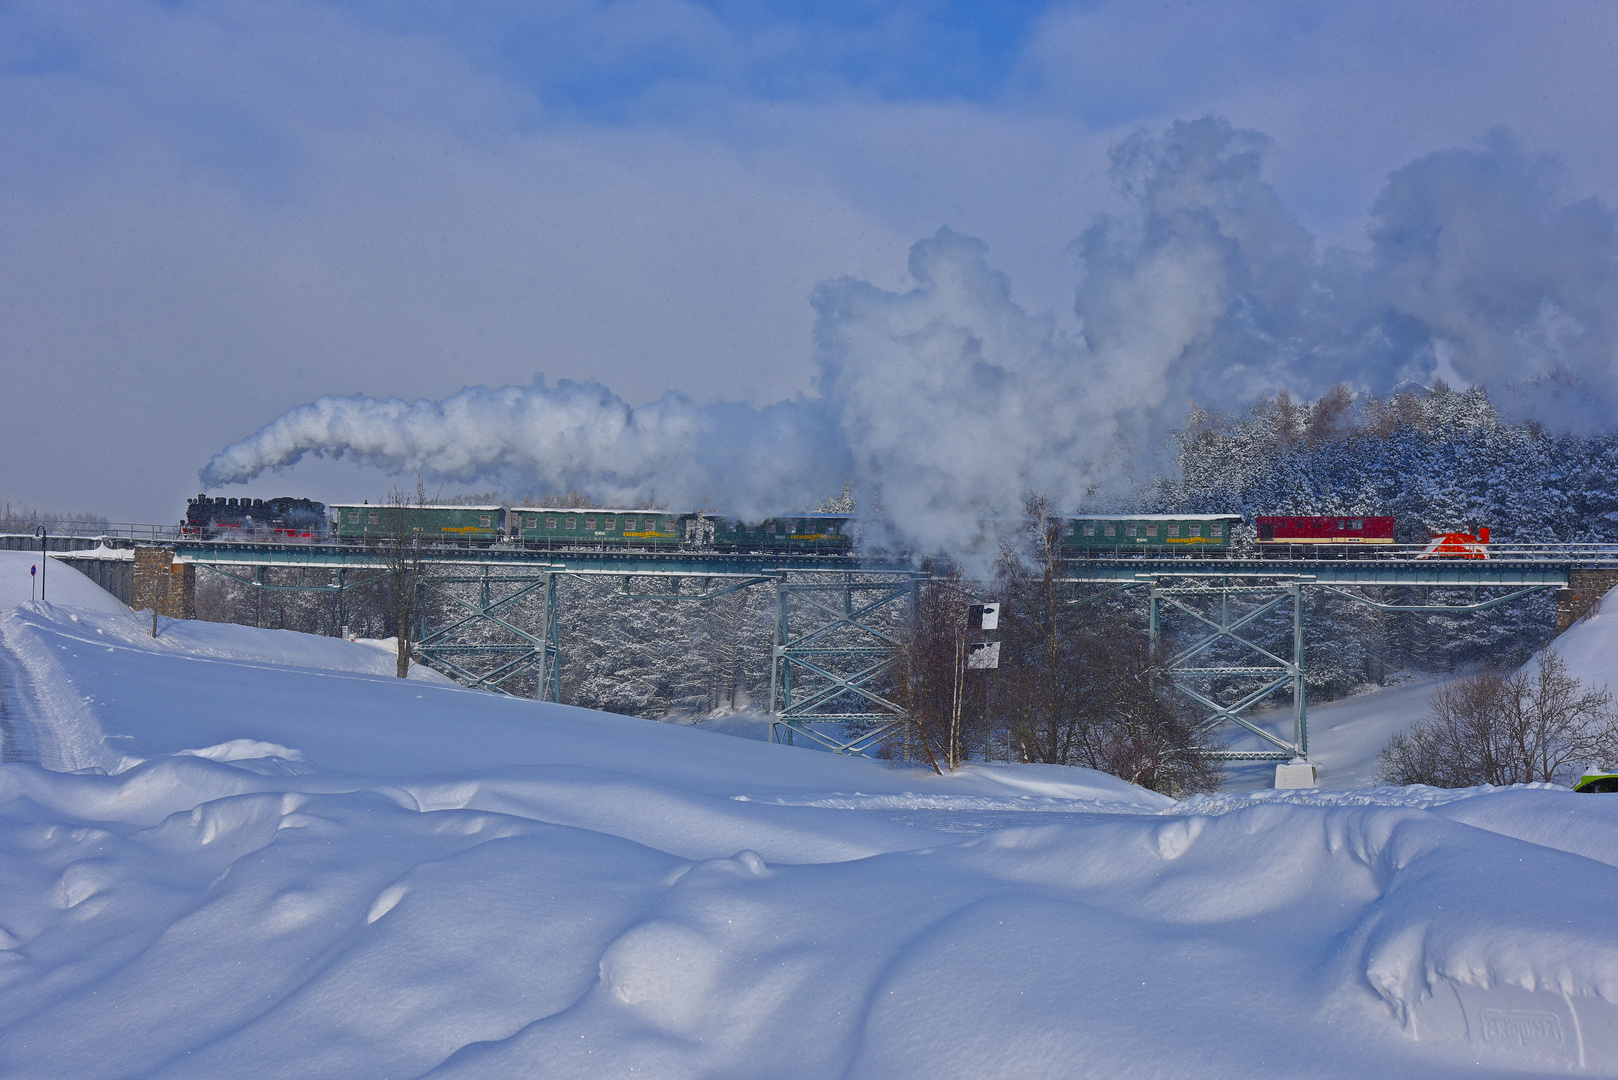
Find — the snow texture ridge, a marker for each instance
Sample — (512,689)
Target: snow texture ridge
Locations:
(298,868)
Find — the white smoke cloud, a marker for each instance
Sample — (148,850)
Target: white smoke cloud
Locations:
(953,402)
(573,436)
(956,402)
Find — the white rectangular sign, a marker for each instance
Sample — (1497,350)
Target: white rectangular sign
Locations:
(983,617)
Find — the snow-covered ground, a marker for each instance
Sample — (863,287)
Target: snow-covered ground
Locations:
(1588,646)
(275,860)
(1344,736)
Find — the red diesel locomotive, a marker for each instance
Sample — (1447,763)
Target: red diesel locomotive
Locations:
(1312,537)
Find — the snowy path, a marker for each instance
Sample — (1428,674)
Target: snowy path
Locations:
(296,865)
(16,734)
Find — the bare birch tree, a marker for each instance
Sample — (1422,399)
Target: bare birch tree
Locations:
(401,545)
(1538,725)
(943,706)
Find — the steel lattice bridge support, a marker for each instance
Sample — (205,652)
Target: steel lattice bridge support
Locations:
(490,619)
(1224,613)
(1263,674)
(830,653)
(484,642)
(487,648)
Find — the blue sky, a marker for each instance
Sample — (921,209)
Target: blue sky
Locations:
(213,212)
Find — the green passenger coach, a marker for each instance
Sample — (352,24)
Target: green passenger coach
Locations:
(436,524)
(543,526)
(821,532)
(1152,533)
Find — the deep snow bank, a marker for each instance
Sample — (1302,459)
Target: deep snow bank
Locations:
(456,928)
(64,586)
(1590,646)
(56,707)
(301,869)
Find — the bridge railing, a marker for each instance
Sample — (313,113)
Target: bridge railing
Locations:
(112,530)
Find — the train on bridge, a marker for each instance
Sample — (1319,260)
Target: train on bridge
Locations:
(293,520)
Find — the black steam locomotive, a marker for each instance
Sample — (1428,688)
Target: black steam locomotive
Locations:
(278,519)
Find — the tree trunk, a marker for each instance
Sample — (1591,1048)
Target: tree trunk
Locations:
(403,668)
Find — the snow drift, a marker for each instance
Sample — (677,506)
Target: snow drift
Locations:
(304,868)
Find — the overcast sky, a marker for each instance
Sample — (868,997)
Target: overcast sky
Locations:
(213,212)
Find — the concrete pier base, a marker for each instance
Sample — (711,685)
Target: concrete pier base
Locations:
(1297,774)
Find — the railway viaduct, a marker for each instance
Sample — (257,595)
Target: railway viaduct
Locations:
(833,632)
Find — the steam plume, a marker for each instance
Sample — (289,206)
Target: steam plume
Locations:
(953,401)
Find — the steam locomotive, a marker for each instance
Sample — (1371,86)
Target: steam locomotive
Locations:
(256,519)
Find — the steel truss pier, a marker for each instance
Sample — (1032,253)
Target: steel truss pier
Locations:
(834,640)
(487,646)
(1224,668)
(1205,683)
(494,622)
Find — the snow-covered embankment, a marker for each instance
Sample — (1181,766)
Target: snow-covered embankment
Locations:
(297,865)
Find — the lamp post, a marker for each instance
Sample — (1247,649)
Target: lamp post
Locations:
(44,542)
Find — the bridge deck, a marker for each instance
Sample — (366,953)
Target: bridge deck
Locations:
(684,562)
(1545,567)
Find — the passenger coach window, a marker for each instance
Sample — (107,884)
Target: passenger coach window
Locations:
(374,518)
(1112,530)
(484,521)
(611,523)
(1174,530)
(668,524)
(1357,523)
(1216,529)
(531,521)
(1151,529)
(589,524)
(550,523)
(629,524)
(353,517)
(1129,530)
(1089,528)
(572,523)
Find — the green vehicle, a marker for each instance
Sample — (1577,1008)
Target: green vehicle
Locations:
(544,526)
(466,525)
(1598,783)
(1147,534)
(800,532)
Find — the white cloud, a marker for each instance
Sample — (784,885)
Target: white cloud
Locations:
(214,212)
